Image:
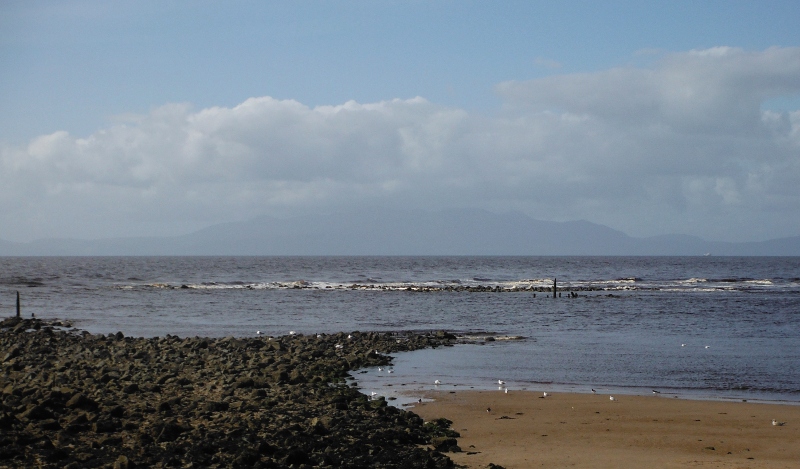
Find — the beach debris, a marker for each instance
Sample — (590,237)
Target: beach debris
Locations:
(505,390)
(778,424)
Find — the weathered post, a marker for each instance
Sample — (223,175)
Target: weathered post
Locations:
(554,287)
(18,304)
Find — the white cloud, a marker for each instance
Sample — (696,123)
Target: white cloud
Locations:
(683,146)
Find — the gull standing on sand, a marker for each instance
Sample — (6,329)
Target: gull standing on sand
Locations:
(611,398)
(778,424)
(501,382)
(545,394)
(437,382)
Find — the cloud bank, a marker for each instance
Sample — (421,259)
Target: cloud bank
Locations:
(683,146)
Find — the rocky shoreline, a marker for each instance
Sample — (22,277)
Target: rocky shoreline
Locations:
(73,399)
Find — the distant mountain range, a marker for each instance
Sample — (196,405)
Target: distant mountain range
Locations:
(412,232)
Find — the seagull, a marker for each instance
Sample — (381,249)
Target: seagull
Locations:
(339,346)
(611,398)
(545,394)
(708,346)
(437,382)
(656,392)
(292,332)
(593,391)
(258,332)
(373,394)
(390,371)
(501,382)
(488,409)
(349,336)
(380,369)
(683,345)
(505,390)
(778,424)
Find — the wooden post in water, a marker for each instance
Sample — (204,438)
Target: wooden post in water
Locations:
(554,287)
(18,304)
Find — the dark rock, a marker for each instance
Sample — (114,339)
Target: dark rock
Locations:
(443,443)
(80,401)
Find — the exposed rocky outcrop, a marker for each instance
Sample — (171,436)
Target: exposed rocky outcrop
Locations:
(73,399)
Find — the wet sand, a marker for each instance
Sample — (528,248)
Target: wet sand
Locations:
(524,430)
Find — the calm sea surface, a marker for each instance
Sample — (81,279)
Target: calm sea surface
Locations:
(689,326)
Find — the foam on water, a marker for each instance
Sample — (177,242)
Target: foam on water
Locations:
(624,329)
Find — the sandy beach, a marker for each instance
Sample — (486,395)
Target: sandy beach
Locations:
(522,429)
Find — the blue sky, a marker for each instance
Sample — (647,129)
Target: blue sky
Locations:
(94,95)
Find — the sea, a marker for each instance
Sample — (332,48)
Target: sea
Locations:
(702,327)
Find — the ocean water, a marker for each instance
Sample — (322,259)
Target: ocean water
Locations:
(708,326)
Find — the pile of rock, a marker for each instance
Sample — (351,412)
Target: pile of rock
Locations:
(73,399)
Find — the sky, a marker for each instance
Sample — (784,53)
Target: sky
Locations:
(159,118)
